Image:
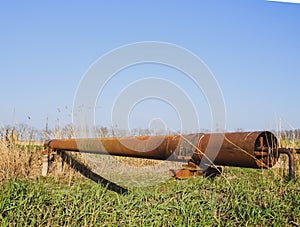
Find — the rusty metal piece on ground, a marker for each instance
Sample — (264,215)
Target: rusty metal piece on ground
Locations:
(187,171)
(181,174)
(243,149)
(190,171)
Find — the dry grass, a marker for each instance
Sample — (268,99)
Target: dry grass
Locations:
(19,161)
(25,162)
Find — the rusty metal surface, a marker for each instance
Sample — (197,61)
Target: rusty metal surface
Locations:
(159,147)
(241,149)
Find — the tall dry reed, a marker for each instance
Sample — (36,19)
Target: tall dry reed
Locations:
(18,161)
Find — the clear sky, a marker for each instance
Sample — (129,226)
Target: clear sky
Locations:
(252,47)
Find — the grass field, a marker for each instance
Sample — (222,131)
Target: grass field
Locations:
(245,197)
(239,197)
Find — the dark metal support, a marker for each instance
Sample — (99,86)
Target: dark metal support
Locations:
(290,154)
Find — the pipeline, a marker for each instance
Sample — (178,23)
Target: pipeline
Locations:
(240,149)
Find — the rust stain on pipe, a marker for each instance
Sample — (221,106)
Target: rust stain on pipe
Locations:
(240,149)
(244,149)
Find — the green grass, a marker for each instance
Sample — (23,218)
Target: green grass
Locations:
(241,197)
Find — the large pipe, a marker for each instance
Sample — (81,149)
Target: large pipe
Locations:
(240,149)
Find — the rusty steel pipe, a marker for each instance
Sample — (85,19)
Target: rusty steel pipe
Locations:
(138,147)
(244,149)
(240,149)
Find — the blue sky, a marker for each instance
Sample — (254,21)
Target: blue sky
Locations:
(252,47)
